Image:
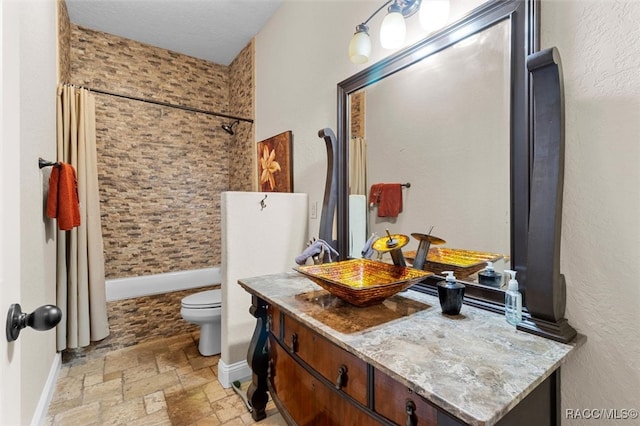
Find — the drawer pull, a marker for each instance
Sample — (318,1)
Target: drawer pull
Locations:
(294,343)
(411,413)
(341,381)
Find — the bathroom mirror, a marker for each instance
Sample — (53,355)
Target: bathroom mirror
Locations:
(500,135)
(458,173)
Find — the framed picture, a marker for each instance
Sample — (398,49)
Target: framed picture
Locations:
(275,171)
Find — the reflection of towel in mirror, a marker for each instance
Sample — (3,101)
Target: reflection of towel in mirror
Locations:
(388,196)
(62,200)
(316,248)
(374,194)
(367,250)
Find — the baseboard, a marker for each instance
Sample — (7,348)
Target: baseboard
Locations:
(147,285)
(42,408)
(229,373)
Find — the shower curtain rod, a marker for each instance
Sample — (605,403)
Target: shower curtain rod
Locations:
(166,104)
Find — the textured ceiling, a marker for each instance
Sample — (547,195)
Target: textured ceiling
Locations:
(215,30)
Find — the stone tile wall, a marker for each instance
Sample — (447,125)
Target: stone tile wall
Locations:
(357,115)
(139,320)
(64,42)
(241,82)
(108,62)
(161,169)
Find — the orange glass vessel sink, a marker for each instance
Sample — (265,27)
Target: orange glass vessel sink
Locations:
(363,282)
(462,262)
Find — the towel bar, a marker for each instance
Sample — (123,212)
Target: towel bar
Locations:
(44,163)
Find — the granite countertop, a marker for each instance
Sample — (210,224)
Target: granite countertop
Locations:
(474,365)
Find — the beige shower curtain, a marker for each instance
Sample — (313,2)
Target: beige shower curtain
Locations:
(357,166)
(80,260)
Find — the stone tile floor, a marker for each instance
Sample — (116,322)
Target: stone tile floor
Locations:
(162,382)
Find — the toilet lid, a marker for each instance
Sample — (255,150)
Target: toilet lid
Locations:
(203,299)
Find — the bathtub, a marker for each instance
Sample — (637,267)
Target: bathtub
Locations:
(147,285)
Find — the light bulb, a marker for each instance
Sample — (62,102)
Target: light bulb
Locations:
(393,30)
(360,47)
(434,14)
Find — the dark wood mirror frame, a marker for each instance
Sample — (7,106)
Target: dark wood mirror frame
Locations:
(548,298)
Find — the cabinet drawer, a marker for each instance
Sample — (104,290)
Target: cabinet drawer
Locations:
(391,399)
(273,318)
(344,370)
(293,387)
(307,400)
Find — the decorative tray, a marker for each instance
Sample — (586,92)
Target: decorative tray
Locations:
(462,262)
(362,282)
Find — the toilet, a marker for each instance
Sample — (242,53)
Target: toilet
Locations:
(205,309)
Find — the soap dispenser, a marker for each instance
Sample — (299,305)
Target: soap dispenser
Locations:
(489,276)
(513,300)
(450,294)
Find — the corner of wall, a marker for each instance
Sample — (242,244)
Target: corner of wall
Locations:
(47,393)
(229,373)
(63,33)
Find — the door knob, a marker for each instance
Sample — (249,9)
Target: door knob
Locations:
(44,318)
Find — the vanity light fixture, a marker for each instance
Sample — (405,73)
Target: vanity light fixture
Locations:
(393,28)
(433,14)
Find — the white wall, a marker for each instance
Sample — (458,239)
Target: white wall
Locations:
(599,43)
(33,35)
(9,218)
(298,65)
(302,54)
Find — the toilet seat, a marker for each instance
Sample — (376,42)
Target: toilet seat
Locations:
(203,300)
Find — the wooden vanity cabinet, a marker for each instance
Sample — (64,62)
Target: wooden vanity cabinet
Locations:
(347,372)
(393,400)
(313,381)
(304,399)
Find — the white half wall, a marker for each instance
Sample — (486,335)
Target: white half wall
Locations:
(255,241)
(229,373)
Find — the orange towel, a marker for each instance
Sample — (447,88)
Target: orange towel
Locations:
(390,204)
(62,201)
(374,194)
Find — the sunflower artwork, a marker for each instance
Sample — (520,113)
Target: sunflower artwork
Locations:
(274,163)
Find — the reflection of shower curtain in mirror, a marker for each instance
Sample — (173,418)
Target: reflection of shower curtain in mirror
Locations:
(357,166)
(80,260)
